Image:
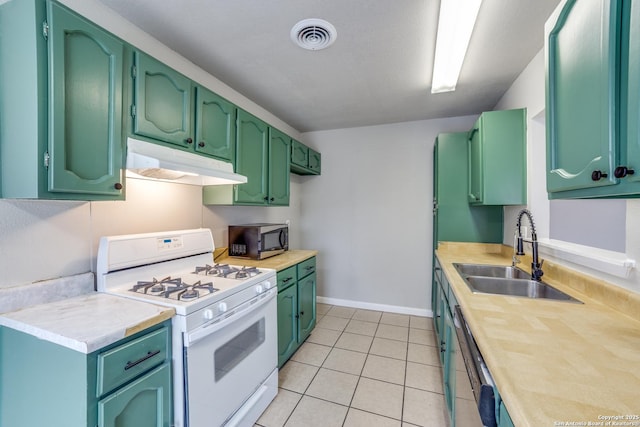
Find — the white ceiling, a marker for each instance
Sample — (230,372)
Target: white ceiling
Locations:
(378,71)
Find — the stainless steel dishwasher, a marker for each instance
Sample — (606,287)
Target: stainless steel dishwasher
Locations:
(481,410)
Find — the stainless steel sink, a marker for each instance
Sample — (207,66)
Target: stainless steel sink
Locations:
(508,280)
(503,271)
(516,287)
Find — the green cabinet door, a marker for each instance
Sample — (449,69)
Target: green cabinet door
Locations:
(449,366)
(504,419)
(455,219)
(475,165)
(306,306)
(287,323)
(278,183)
(252,140)
(162,102)
(85,80)
(299,154)
(315,161)
(581,86)
(215,125)
(145,402)
(497,159)
(631,97)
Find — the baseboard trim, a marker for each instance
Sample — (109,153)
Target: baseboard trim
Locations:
(377,307)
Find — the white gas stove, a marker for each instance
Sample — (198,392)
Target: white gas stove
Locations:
(224,313)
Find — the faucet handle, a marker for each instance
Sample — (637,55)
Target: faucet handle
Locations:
(515,260)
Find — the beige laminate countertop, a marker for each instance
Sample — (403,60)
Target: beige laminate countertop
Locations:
(278,262)
(554,363)
(88,322)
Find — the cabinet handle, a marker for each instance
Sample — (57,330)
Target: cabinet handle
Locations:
(189,141)
(297,316)
(149,355)
(622,171)
(287,279)
(597,175)
(302,313)
(117,186)
(201,144)
(271,199)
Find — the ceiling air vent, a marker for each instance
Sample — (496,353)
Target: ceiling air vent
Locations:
(313,34)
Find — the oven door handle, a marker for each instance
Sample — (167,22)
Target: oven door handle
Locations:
(223,320)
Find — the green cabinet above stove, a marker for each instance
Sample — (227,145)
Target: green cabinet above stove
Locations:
(61,82)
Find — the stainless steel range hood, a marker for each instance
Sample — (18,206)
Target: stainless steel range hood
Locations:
(157,162)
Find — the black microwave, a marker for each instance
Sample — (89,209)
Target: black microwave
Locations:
(258,241)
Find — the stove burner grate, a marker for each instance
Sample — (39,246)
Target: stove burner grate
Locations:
(227,271)
(174,288)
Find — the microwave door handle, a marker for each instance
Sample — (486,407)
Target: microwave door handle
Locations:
(282,238)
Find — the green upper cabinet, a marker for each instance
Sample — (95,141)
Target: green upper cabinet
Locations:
(162,102)
(582,64)
(593,101)
(61,121)
(215,125)
(454,219)
(279,144)
(252,159)
(497,159)
(304,160)
(262,155)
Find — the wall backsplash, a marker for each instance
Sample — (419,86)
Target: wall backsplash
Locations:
(42,239)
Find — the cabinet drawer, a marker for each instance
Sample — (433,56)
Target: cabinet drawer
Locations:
(123,363)
(307,267)
(287,278)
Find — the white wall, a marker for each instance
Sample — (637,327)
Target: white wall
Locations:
(370,213)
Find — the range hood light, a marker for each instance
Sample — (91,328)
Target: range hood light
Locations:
(146,160)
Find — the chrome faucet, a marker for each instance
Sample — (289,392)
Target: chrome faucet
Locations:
(536,264)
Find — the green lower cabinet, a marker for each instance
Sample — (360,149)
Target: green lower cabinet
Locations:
(61,84)
(296,307)
(145,402)
(449,366)
(504,420)
(307,306)
(75,389)
(287,323)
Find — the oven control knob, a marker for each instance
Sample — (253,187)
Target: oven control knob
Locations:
(259,289)
(222,307)
(267,285)
(207,314)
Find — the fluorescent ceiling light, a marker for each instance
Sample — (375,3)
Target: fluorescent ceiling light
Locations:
(455,25)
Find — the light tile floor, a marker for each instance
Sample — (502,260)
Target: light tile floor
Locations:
(361,368)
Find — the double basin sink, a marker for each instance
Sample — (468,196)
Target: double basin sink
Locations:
(508,280)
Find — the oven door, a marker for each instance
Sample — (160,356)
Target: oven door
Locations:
(228,360)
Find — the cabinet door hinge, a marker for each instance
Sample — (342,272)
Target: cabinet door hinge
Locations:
(133,111)
(134,71)
(46,159)
(45,29)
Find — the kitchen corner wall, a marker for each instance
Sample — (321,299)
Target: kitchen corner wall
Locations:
(370,213)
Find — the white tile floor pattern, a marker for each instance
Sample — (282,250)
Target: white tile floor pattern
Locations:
(361,368)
